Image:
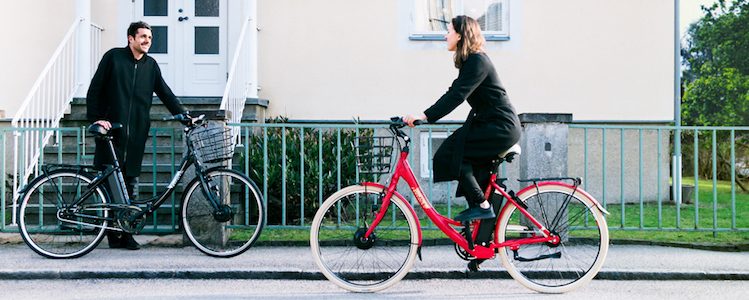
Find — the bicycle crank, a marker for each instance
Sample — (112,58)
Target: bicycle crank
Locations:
(131,219)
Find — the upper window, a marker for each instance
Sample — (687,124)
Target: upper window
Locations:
(431,17)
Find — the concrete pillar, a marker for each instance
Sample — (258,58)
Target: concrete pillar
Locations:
(83,47)
(544,146)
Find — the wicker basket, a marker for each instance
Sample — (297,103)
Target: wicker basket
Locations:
(212,143)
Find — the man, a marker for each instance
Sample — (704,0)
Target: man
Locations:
(121,91)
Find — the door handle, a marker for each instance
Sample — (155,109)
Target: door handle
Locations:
(182,19)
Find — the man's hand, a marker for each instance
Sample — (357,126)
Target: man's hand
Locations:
(409,119)
(104,123)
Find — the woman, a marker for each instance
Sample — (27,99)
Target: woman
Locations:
(492,125)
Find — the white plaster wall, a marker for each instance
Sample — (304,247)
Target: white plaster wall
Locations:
(338,59)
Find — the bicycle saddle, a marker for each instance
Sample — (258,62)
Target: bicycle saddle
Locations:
(509,154)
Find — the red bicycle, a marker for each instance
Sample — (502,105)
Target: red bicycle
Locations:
(551,236)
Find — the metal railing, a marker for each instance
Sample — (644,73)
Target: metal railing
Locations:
(46,104)
(630,169)
(627,168)
(238,81)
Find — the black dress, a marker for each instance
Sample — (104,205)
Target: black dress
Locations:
(491,127)
(121,91)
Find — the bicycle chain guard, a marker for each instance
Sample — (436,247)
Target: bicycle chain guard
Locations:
(127,220)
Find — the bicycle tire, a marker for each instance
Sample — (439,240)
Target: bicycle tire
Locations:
(581,252)
(223,237)
(47,234)
(343,258)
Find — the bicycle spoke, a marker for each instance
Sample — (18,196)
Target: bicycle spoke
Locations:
(362,263)
(540,269)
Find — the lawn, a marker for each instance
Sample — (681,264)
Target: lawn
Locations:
(696,220)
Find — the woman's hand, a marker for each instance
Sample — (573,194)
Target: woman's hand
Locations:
(409,119)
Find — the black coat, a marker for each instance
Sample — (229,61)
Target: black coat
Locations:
(492,125)
(121,91)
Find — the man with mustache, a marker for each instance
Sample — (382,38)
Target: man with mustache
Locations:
(121,91)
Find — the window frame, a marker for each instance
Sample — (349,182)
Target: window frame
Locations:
(458,7)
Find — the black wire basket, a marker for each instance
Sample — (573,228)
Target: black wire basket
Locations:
(374,154)
(212,143)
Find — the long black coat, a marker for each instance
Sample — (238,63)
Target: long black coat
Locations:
(492,125)
(121,91)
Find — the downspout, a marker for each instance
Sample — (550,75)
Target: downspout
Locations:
(252,51)
(83,47)
(677,108)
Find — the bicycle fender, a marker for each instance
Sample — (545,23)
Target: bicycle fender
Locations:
(569,186)
(411,209)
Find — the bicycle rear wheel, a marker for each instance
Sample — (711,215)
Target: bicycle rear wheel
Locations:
(53,224)
(356,263)
(232,228)
(555,268)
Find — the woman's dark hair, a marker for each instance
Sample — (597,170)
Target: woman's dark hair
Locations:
(471,41)
(133,29)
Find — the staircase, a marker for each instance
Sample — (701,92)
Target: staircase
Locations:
(159,162)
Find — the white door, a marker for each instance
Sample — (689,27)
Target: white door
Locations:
(189,42)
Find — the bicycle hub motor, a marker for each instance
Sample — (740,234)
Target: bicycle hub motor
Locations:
(223,214)
(362,242)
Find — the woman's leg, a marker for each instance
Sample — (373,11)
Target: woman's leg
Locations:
(479,208)
(471,189)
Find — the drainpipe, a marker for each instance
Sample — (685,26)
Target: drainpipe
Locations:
(252,35)
(677,107)
(83,46)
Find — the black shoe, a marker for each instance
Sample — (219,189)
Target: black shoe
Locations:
(115,240)
(130,243)
(119,240)
(473,266)
(475,213)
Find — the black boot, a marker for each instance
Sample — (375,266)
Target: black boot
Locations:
(122,240)
(129,242)
(473,266)
(115,239)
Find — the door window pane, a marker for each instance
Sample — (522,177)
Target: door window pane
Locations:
(206,40)
(159,44)
(206,8)
(155,7)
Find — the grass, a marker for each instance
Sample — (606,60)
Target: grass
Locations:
(696,220)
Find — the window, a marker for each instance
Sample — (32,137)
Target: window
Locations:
(430,18)
(425,156)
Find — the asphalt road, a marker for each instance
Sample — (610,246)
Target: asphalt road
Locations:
(321,289)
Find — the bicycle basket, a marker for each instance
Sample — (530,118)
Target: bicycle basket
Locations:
(212,143)
(374,154)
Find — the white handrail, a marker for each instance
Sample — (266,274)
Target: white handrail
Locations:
(237,83)
(46,104)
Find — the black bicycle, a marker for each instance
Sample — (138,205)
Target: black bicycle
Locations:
(65,211)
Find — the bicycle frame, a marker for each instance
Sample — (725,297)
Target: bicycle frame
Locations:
(403,170)
(152,204)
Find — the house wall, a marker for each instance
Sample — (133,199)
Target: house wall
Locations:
(338,59)
(31,37)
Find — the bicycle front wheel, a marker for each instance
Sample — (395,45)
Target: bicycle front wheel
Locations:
(352,261)
(231,225)
(55,222)
(547,267)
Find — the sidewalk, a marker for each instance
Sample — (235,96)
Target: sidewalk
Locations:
(624,262)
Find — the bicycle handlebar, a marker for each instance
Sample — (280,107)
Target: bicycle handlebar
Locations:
(399,123)
(186,119)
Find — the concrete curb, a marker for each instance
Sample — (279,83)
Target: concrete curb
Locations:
(306,275)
